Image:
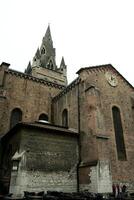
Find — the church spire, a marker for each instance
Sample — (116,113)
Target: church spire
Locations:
(62,64)
(44,62)
(37,54)
(48,38)
(63,68)
(47,52)
(29,68)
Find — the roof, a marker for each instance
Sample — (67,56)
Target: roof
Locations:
(41,125)
(52,127)
(102,67)
(78,80)
(93,67)
(67,89)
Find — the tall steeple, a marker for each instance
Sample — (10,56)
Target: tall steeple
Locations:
(44,61)
(47,51)
(62,64)
(48,38)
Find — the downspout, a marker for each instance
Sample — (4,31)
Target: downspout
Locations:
(79,140)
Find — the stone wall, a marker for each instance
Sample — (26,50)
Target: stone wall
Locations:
(49,162)
(50,75)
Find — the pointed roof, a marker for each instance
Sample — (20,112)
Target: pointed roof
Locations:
(51,59)
(62,62)
(29,68)
(48,38)
(29,64)
(37,53)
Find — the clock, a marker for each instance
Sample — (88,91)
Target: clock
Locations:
(111,78)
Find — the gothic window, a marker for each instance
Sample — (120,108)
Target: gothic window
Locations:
(120,145)
(43,117)
(65,118)
(43,51)
(50,64)
(16,117)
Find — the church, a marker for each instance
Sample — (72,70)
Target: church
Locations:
(55,136)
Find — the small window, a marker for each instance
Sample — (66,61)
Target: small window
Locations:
(50,64)
(43,51)
(119,137)
(16,117)
(43,117)
(65,118)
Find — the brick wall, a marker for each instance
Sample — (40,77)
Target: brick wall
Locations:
(96,99)
(101,98)
(68,101)
(30,95)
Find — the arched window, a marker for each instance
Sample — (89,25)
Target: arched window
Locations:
(16,117)
(43,51)
(120,145)
(50,64)
(43,117)
(65,118)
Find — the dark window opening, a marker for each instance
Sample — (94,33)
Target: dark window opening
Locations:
(50,65)
(16,117)
(65,118)
(120,145)
(43,51)
(43,117)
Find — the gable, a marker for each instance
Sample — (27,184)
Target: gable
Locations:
(105,69)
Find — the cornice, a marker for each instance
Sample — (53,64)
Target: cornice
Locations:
(32,78)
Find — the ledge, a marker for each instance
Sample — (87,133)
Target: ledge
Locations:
(32,78)
(90,163)
(105,137)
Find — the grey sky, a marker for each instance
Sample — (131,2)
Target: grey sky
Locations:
(85,32)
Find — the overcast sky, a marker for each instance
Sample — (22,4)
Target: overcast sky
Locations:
(85,32)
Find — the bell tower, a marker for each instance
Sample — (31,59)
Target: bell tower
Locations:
(44,64)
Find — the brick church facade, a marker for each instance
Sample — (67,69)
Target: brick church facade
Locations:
(82,132)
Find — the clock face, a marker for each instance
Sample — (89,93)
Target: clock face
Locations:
(111,78)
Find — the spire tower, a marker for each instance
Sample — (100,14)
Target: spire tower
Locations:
(44,63)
